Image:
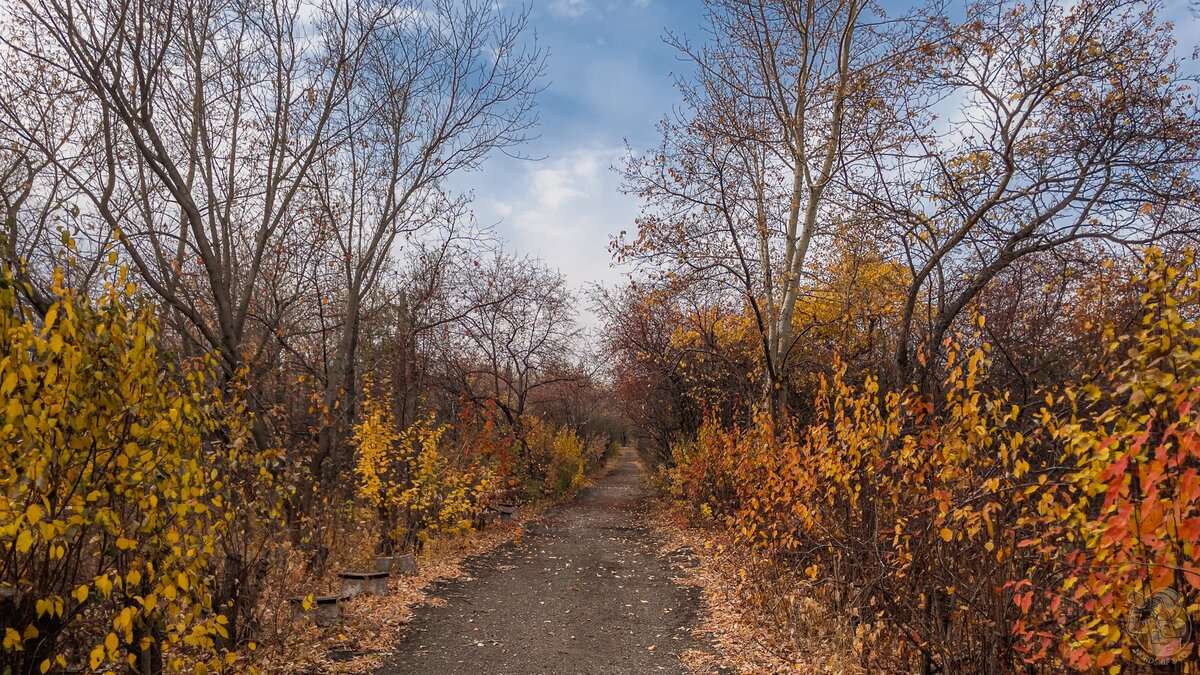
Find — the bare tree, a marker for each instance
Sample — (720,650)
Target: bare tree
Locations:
(225,130)
(785,96)
(517,337)
(208,117)
(37,202)
(1064,124)
(439,91)
(417,306)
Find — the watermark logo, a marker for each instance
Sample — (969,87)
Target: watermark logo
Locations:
(1160,626)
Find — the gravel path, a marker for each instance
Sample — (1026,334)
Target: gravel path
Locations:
(586,592)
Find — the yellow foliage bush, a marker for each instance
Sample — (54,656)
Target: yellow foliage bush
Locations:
(556,459)
(412,485)
(1117,534)
(567,461)
(109,516)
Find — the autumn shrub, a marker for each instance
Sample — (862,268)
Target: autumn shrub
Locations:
(414,487)
(480,438)
(712,473)
(596,450)
(535,451)
(110,517)
(1121,523)
(986,537)
(554,460)
(567,461)
(611,449)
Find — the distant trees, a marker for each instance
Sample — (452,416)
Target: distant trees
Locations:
(646,367)
(515,335)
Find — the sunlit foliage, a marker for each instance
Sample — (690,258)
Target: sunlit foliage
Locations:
(980,535)
(407,478)
(110,508)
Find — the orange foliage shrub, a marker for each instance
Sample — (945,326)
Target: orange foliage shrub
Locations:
(983,536)
(1118,533)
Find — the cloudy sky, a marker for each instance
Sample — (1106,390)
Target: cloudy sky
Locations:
(609,79)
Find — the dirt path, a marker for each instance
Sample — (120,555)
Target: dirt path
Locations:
(586,592)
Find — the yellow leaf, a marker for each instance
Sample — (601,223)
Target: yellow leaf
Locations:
(10,384)
(24,541)
(110,642)
(12,640)
(96,657)
(104,585)
(947,535)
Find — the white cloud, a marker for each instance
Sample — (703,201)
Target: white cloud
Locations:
(554,187)
(564,210)
(571,9)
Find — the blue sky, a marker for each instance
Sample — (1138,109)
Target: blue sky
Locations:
(609,78)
